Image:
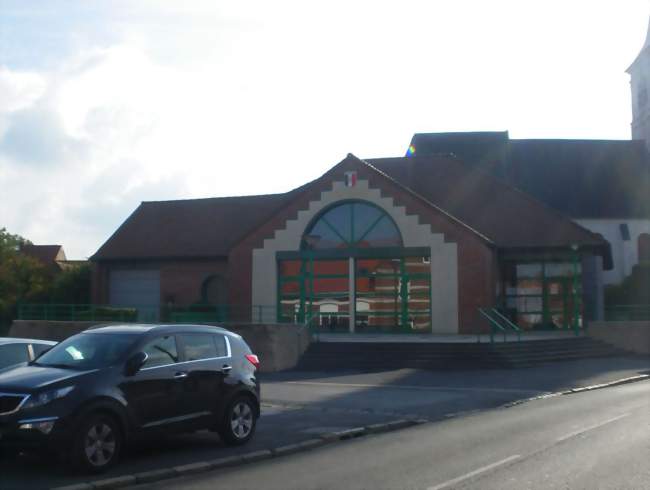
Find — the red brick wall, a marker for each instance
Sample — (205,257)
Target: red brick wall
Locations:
(180,280)
(476,258)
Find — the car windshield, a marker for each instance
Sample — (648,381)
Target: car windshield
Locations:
(88,351)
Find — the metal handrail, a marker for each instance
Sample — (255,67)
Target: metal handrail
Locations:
(508,322)
(494,324)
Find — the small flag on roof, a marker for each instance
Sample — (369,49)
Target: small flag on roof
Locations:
(350,179)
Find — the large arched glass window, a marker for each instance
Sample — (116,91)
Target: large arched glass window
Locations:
(352,225)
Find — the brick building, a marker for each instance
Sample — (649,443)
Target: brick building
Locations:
(414,244)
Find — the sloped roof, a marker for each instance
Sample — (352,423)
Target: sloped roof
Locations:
(604,179)
(644,49)
(489,149)
(584,178)
(188,228)
(505,215)
(46,254)
(211,227)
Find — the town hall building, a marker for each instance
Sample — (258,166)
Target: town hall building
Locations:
(466,222)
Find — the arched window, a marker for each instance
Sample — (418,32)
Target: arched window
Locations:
(644,247)
(214,290)
(352,225)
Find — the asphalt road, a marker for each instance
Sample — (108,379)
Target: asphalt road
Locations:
(301,405)
(591,440)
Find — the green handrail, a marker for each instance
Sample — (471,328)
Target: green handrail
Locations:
(494,324)
(508,322)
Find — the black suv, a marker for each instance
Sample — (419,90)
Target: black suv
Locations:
(95,391)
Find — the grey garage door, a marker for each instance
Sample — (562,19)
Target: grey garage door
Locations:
(137,288)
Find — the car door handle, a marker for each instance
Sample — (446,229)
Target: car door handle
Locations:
(180,375)
(226,368)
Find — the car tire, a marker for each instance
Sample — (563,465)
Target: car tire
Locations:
(97,443)
(239,421)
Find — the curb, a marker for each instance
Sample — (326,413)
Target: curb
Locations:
(261,455)
(572,391)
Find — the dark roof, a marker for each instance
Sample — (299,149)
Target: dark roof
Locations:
(584,178)
(488,149)
(503,214)
(46,254)
(580,178)
(487,206)
(189,228)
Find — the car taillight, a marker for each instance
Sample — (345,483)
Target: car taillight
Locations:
(252,358)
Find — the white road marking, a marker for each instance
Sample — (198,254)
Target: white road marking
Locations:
(591,427)
(409,387)
(472,474)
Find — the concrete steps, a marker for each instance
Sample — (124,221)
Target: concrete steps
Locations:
(325,356)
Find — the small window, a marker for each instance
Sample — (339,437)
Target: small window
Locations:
(220,342)
(161,351)
(11,354)
(199,346)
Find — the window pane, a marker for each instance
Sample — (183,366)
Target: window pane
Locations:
(364,217)
(322,236)
(383,234)
(161,351)
(13,354)
(40,348)
(220,343)
(89,350)
(199,346)
(358,223)
(561,270)
(529,279)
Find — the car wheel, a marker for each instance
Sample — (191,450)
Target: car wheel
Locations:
(98,443)
(238,424)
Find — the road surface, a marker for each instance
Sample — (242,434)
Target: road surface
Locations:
(592,440)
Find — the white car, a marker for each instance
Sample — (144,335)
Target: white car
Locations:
(16,351)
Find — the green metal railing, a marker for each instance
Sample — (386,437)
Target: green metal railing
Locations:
(148,313)
(499,323)
(508,322)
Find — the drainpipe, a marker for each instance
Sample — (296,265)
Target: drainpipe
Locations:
(576,310)
(353,294)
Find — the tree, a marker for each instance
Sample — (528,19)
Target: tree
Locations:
(72,285)
(22,278)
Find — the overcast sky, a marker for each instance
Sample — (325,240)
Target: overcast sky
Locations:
(107,104)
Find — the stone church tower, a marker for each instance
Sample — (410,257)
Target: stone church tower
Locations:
(640,84)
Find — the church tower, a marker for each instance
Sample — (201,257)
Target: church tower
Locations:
(640,84)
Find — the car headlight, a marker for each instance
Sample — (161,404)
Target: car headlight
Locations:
(46,397)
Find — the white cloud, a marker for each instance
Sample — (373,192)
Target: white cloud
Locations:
(176,100)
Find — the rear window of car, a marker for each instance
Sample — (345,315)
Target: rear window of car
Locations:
(220,342)
(203,346)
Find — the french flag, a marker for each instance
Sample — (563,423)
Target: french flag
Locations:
(350,179)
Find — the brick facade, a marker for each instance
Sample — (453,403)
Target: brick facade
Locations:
(478,263)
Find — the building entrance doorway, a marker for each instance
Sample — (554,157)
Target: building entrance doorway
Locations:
(353,274)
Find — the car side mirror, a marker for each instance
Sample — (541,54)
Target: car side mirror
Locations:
(135,362)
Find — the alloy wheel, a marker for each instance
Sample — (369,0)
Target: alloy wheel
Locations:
(100,445)
(241,420)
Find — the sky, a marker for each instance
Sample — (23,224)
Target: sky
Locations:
(105,104)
